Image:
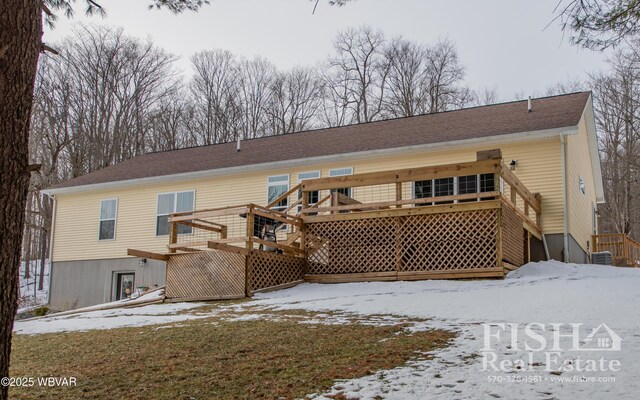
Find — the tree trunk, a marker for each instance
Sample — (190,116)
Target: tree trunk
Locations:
(20,42)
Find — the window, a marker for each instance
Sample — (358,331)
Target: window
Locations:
(169,203)
(341,172)
(423,189)
(487,183)
(467,185)
(108,211)
(443,187)
(452,186)
(276,187)
(314,196)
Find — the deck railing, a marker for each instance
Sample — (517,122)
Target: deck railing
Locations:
(245,227)
(396,189)
(624,250)
(237,229)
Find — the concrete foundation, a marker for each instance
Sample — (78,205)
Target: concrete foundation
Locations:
(555,243)
(76,284)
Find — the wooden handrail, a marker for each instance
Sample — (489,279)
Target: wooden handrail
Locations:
(514,183)
(402,175)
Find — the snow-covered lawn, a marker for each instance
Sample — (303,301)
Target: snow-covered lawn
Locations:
(30,296)
(544,293)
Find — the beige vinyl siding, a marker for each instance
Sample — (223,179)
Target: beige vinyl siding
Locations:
(77,221)
(580,206)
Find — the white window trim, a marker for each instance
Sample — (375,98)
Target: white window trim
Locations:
(351,194)
(338,169)
(309,172)
(115,220)
(455,186)
(281,183)
(175,203)
(300,180)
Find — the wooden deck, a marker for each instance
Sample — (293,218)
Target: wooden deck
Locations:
(624,250)
(375,230)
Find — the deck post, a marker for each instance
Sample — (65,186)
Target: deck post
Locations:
(173,236)
(302,229)
(249,247)
(399,264)
(398,193)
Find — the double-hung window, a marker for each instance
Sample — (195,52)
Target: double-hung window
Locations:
(314,196)
(108,212)
(341,172)
(277,186)
(169,203)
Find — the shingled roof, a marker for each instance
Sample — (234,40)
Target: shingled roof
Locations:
(468,123)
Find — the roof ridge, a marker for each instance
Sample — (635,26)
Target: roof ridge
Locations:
(369,122)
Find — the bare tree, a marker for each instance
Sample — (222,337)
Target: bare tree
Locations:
(294,100)
(425,79)
(444,74)
(407,85)
(256,77)
(617,104)
(358,72)
(215,93)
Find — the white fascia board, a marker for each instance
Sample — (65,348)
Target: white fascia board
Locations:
(594,152)
(497,139)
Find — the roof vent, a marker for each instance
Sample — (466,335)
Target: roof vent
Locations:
(529,105)
(238,144)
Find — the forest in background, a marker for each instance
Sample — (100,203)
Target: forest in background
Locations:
(107,97)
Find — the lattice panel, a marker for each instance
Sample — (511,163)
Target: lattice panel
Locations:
(512,237)
(268,269)
(449,241)
(206,274)
(434,242)
(352,246)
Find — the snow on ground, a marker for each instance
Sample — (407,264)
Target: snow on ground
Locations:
(30,296)
(543,293)
(109,319)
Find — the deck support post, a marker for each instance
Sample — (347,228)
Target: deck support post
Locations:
(173,236)
(249,247)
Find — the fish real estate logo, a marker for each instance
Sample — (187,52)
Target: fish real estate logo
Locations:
(554,348)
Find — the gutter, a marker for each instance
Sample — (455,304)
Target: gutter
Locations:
(565,216)
(54,207)
(285,164)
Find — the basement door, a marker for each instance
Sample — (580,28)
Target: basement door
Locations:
(124,285)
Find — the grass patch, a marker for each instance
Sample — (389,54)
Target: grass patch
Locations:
(214,358)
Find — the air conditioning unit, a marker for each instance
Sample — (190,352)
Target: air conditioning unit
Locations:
(602,258)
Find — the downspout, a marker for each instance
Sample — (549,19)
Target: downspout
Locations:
(54,207)
(565,216)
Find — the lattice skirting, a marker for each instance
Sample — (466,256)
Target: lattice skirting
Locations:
(444,242)
(205,275)
(513,248)
(268,269)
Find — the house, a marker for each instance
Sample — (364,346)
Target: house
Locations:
(549,155)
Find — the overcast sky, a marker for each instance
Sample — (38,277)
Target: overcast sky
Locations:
(502,43)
